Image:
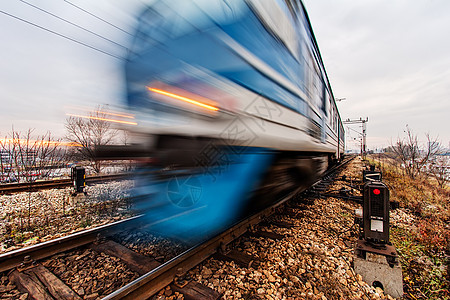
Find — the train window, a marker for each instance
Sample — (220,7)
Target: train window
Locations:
(317,89)
(277,19)
(330,109)
(335,121)
(324,97)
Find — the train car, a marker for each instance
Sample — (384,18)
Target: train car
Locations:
(229,96)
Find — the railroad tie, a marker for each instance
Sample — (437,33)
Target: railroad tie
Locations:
(136,262)
(40,283)
(196,291)
(267,234)
(242,259)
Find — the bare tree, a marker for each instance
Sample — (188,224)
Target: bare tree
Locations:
(412,155)
(440,169)
(5,162)
(90,132)
(31,158)
(27,157)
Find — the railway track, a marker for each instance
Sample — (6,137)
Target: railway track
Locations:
(56,183)
(27,271)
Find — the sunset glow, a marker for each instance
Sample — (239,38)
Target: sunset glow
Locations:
(7,141)
(103,119)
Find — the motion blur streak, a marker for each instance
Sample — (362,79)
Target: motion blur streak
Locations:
(38,142)
(103,119)
(197,205)
(116,114)
(185,99)
(255,66)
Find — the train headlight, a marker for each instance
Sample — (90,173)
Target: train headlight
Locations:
(181,98)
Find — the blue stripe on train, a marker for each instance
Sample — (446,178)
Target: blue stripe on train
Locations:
(204,202)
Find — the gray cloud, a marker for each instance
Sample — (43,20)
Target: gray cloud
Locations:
(41,73)
(391,60)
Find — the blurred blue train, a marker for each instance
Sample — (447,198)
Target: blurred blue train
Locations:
(232,99)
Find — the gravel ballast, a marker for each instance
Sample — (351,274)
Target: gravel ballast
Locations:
(31,218)
(313,261)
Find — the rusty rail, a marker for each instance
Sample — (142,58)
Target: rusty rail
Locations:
(155,280)
(10,188)
(15,258)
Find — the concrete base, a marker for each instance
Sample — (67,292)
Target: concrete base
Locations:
(376,269)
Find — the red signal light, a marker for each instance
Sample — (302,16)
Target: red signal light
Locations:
(376,191)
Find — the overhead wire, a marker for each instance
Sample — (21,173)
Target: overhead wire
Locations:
(97,17)
(61,35)
(352,140)
(354,130)
(73,24)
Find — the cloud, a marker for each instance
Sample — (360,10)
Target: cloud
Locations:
(390,60)
(42,73)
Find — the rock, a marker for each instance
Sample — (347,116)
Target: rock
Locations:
(10,287)
(168,292)
(311,261)
(80,291)
(271,278)
(23,296)
(206,273)
(91,296)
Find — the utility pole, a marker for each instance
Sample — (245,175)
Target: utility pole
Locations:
(363,122)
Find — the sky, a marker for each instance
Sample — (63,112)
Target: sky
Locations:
(389,59)
(43,75)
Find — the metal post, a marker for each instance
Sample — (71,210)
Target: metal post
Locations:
(364,133)
(364,139)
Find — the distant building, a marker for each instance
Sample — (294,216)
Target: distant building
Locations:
(5,157)
(25,158)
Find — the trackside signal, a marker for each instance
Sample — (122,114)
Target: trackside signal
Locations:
(78,179)
(376,212)
(376,259)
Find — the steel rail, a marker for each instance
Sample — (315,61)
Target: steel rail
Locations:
(13,259)
(55,183)
(155,280)
(335,168)
(152,282)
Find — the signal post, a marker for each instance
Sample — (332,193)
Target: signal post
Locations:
(376,259)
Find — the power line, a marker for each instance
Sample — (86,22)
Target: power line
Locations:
(97,17)
(61,35)
(71,23)
(354,130)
